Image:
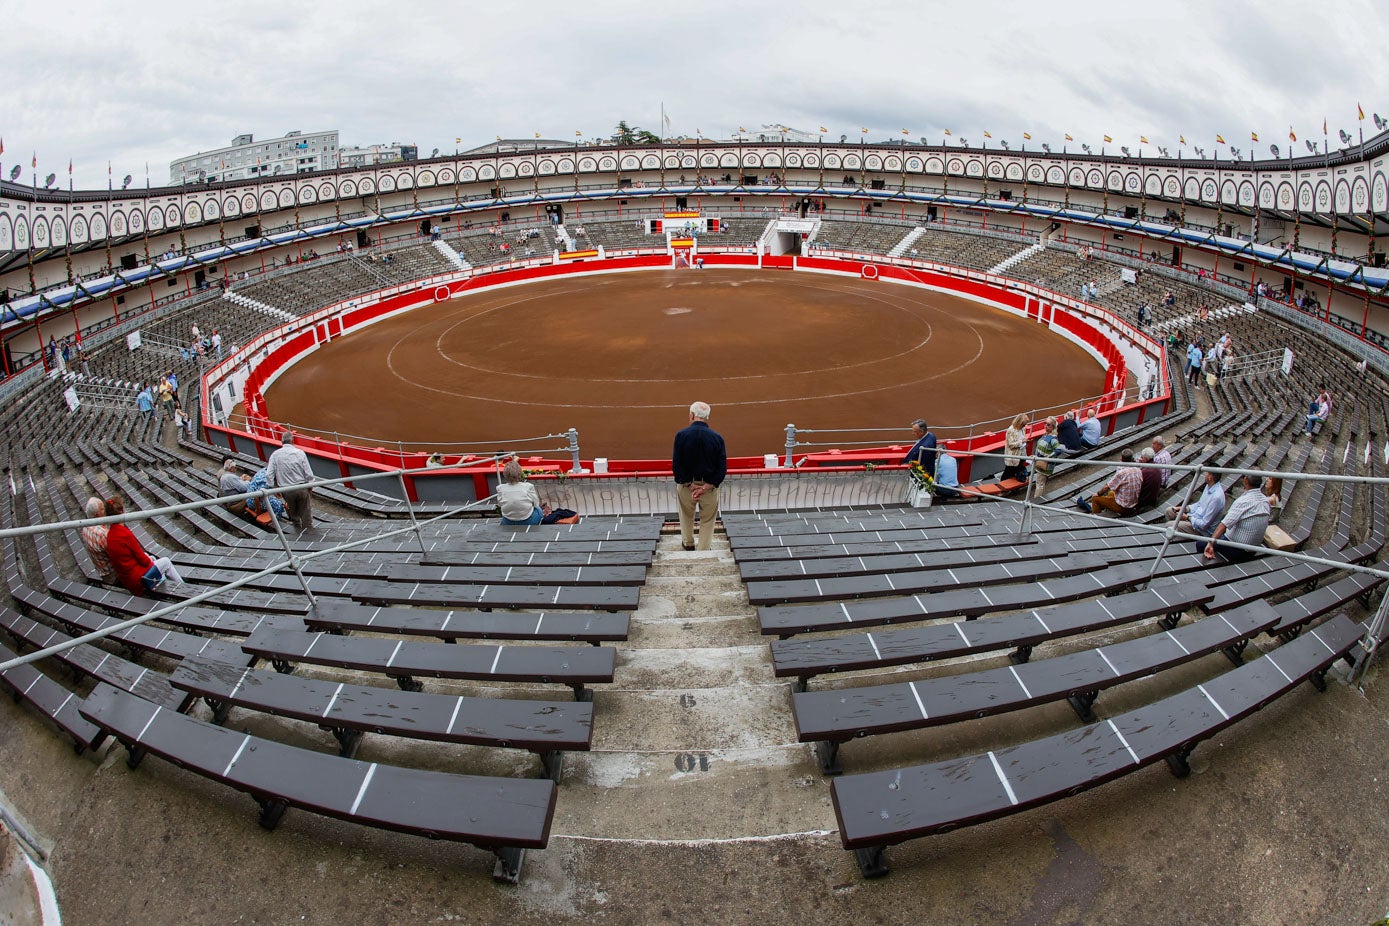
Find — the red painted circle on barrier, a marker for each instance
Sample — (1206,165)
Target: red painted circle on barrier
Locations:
(863,271)
(441,293)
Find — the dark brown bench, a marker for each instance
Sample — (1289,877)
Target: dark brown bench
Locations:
(546,728)
(593,627)
(372,591)
(505,816)
(51,700)
(402,660)
(879,809)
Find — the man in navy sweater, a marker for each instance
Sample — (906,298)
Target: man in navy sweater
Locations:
(699,462)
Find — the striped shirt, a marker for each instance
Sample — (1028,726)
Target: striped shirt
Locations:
(1126,484)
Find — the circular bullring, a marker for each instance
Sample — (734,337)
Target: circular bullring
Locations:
(619,357)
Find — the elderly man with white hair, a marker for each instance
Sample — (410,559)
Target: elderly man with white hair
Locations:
(699,462)
(289,466)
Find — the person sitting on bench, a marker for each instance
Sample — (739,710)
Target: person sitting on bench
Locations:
(1090,429)
(1244,523)
(1068,432)
(1120,495)
(947,476)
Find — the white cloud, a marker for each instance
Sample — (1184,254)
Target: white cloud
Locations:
(94,81)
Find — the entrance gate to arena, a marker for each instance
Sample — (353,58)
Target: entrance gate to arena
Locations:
(683,253)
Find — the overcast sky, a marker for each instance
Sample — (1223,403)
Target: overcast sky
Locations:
(100,81)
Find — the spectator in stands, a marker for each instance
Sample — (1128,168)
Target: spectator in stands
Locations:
(1245,522)
(1090,429)
(1318,411)
(699,462)
(1047,449)
(217,342)
(231,481)
(94,539)
(1151,484)
(517,498)
(947,476)
(1162,457)
(435,461)
(1193,363)
(1201,517)
(1068,432)
(1120,494)
(924,450)
(1273,488)
(267,507)
(289,466)
(1014,448)
(134,568)
(144,400)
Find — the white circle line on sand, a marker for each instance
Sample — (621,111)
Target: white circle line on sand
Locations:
(900,304)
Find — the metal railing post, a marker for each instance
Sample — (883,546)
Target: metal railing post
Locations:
(289,552)
(1196,476)
(573,435)
(1025,522)
(414,523)
(790,445)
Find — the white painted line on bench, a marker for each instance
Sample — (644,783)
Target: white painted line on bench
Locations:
(239,750)
(818,592)
(245,673)
(558,589)
(1329,649)
(1279,668)
(333,700)
(394,652)
(1202,689)
(1018,678)
(38,677)
(984,593)
(1105,608)
(960,631)
(1038,616)
(457,706)
(495,660)
(1132,754)
(361,793)
(313,643)
(845,610)
(1013,798)
(874,644)
(538,621)
(1174,639)
(919,706)
(1107,662)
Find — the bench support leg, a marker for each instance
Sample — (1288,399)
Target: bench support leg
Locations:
(133,754)
(827,754)
(580,692)
(552,762)
(347,739)
(1020,655)
(409,683)
(270,812)
(282,666)
(801,685)
(220,709)
(508,867)
(1318,680)
(1235,652)
(1170,621)
(1177,761)
(871,861)
(1081,704)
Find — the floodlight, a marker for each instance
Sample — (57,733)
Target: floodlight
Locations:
(1311,146)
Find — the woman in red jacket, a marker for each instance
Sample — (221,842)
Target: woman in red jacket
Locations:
(129,558)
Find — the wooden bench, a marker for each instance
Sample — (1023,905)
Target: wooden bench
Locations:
(543,574)
(880,809)
(593,627)
(373,591)
(505,816)
(88,660)
(52,700)
(546,728)
(922,580)
(805,659)
(402,660)
(829,718)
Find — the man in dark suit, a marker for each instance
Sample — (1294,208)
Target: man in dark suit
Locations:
(699,462)
(924,450)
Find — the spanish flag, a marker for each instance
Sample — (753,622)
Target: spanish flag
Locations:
(1108,140)
(1142,139)
(1359,109)
(1026,136)
(1220,139)
(1254,136)
(1068,137)
(947,131)
(864,131)
(905,132)
(578,134)
(987,135)
(1181,139)
(1292,136)
(823,130)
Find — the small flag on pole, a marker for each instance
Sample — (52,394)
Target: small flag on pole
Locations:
(35,162)
(1254,136)
(987,135)
(1181,139)
(578,134)
(1361,110)
(1323,125)
(947,131)
(1143,139)
(905,132)
(1068,137)
(1292,136)
(1108,140)
(1220,139)
(537,134)
(823,130)
(864,131)
(1027,136)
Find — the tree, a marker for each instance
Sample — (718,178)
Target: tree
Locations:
(631,135)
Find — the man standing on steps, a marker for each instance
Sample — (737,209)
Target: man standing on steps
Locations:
(699,462)
(289,466)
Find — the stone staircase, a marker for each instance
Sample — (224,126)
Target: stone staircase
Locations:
(450,255)
(1022,255)
(901,247)
(247,302)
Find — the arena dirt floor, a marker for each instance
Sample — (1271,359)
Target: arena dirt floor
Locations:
(621,356)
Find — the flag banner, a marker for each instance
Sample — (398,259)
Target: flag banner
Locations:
(1292,136)
(1220,139)
(823,130)
(1143,139)
(947,131)
(905,132)
(987,135)
(1359,109)
(1027,136)
(1107,139)
(1181,139)
(1254,136)
(1069,138)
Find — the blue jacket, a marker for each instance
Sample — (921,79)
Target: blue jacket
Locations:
(925,451)
(699,455)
